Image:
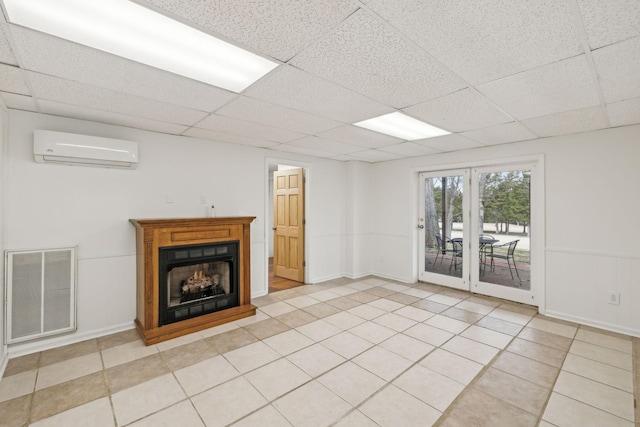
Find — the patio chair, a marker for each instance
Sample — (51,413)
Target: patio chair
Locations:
(508,255)
(456,258)
(442,248)
(485,249)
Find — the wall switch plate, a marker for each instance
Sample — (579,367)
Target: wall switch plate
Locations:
(613,298)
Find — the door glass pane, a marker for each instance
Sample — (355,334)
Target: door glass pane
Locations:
(504,219)
(444,225)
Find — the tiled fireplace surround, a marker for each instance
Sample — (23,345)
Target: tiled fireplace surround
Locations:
(348,353)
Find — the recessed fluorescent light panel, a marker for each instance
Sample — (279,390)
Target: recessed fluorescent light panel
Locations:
(402,126)
(134,32)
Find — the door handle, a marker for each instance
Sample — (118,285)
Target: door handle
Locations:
(274,228)
(421,226)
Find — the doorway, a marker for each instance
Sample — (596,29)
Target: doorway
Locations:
(477,228)
(286,226)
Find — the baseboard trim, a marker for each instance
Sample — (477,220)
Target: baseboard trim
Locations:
(593,323)
(381,276)
(22,349)
(4,359)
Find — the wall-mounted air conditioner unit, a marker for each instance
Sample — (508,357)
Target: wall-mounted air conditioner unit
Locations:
(85,150)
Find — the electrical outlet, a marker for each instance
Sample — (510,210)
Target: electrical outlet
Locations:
(203,199)
(613,298)
(169,198)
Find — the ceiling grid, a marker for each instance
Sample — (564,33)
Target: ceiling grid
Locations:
(488,72)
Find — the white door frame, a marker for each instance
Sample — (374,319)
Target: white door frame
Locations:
(463,282)
(268,213)
(538,242)
(500,291)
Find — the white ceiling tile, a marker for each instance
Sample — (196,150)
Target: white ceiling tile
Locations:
(350,158)
(355,62)
(113,118)
(409,149)
(12,79)
(459,111)
(554,88)
(303,150)
(486,40)
(226,137)
(321,144)
(342,158)
(279,28)
(501,134)
(274,115)
(18,102)
(608,22)
(618,67)
(371,58)
(355,135)
(582,120)
(42,53)
(293,88)
(625,112)
(375,156)
(243,128)
(83,95)
(446,143)
(6,54)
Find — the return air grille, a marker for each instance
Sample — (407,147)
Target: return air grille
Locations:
(40,293)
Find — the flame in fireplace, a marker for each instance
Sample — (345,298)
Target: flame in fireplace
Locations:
(197,282)
(198,275)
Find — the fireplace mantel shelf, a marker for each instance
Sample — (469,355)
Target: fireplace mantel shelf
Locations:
(153,234)
(180,222)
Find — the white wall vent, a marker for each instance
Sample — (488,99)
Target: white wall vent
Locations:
(40,293)
(84,150)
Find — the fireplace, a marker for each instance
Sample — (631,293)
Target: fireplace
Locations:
(192,274)
(196,280)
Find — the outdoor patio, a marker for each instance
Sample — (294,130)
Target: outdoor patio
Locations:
(500,274)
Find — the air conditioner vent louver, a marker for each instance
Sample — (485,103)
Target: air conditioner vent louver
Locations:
(84,150)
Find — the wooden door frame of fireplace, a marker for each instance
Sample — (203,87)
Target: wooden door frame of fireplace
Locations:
(152,234)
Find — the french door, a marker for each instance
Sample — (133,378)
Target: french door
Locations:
(475,230)
(443,225)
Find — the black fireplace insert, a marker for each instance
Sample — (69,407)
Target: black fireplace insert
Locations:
(197,280)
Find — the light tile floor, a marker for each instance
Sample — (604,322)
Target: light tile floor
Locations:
(347,353)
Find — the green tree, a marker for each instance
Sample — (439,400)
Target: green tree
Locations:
(506,199)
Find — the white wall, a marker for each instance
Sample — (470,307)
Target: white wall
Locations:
(3,140)
(325,228)
(358,218)
(592,232)
(52,206)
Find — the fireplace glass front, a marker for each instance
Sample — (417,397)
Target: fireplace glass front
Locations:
(197,280)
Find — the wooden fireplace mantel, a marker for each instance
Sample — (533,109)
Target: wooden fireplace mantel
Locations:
(152,234)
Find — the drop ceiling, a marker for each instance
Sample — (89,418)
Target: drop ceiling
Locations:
(490,72)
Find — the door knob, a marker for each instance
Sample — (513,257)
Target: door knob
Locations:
(420,226)
(274,228)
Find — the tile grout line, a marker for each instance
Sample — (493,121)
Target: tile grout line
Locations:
(478,377)
(553,386)
(633,370)
(444,414)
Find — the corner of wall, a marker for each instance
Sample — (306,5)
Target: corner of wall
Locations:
(3,149)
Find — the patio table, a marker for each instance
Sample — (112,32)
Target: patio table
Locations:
(483,241)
